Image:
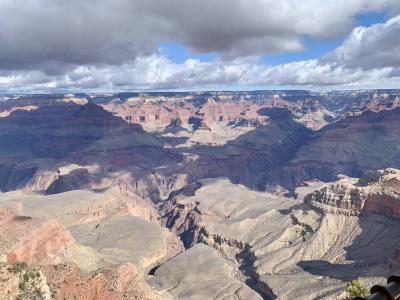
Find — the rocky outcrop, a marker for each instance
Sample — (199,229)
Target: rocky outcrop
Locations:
(113,282)
(350,197)
(198,123)
(342,197)
(175,126)
(30,240)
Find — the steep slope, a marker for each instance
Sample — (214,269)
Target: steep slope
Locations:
(33,142)
(350,146)
(28,239)
(200,273)
(54,131)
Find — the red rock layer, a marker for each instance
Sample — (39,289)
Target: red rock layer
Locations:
(113,282)
(30,240)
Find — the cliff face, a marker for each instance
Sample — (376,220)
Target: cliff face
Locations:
(55,131)
(367,140)
(222,108)
(281,154)
(253,157)
(347,196)
(350,146)
(36,144)
(29,239)
(341,197)
(311,109)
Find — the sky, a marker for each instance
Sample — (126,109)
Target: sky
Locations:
(195,45)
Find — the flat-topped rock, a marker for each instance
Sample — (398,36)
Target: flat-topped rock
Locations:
(128,239)
(200,273)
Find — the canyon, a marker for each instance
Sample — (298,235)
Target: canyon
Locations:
(212,195)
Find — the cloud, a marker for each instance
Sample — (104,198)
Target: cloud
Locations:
(157,72)
(247,27)
(111,45)
(371,47)
(56,35)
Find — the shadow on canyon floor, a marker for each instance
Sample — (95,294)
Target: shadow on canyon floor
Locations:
(368,255)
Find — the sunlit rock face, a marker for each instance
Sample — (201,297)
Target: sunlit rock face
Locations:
(157,111)
(27,239)
(377,192)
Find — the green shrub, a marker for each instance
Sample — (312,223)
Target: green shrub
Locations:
(357,289)
(18,267)
(369,177)
(32,283)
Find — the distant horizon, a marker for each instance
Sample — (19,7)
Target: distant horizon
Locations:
(197,91)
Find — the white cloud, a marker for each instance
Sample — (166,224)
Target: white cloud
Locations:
(371,47)
(160,73)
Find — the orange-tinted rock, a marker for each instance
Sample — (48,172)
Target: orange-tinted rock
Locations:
(113,282)
(30,240)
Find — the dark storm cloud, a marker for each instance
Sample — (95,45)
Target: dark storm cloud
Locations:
(41,33)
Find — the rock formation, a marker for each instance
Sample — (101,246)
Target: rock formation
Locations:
(381,195)
(28,239)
